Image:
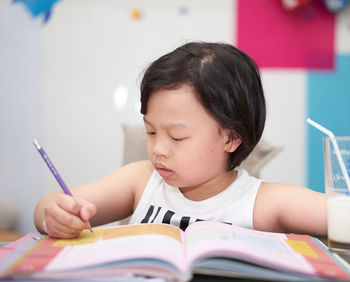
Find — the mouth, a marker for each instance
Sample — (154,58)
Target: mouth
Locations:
(163,171)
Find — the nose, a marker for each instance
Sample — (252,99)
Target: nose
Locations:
(160,147)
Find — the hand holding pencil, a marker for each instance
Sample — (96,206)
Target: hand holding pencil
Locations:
(64,215)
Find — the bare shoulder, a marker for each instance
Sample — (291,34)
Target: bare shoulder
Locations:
(136,174)
(142,171)
(277,190)
(139,172)
(273,189)
(289,207)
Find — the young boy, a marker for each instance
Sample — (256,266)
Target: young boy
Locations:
(204,111)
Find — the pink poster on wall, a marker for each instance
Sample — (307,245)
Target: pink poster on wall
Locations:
(277,38)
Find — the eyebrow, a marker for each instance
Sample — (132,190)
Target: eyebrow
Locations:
(168,125)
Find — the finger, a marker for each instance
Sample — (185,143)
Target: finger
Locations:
(57,232)
(69,204)
(71,221)
(64,218)
(57,229)
(87,211)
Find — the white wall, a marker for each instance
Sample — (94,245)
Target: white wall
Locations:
(21,110)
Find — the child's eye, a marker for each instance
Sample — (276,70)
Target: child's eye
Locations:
(150,133)
(177,139)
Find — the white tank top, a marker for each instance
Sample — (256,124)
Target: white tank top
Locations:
(162,203)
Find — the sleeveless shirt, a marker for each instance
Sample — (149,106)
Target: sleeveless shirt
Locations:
(162,203)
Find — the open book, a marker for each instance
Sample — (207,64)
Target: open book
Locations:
(162,250)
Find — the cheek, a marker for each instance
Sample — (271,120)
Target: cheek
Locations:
(149,148)
(200,165)
(213,146)
(214,154)
(200,155)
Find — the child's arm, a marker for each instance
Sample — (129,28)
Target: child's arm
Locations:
(290,208)
(108,199)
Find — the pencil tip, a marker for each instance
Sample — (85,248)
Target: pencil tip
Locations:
(89,226)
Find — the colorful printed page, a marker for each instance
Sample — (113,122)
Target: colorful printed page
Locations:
(289,252)
(156,241)
(13,251)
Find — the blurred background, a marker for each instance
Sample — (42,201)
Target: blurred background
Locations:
(70,72)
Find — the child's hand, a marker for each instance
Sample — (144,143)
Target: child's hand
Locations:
(66,216)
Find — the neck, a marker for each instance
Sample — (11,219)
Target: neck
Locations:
(210,188)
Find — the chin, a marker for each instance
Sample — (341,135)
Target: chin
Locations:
(171,182)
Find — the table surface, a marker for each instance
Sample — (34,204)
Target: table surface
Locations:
(6,235)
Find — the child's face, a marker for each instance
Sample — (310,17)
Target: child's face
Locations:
(184,143)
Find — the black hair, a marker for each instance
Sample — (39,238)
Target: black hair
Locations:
(226,82)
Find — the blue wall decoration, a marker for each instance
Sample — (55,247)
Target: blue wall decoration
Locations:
(39,7)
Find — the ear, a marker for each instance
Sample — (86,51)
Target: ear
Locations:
(232,141)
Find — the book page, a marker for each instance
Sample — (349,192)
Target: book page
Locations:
(85,237)
(264,248)
(145,241)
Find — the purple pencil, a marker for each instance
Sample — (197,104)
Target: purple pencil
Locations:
(53,170)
